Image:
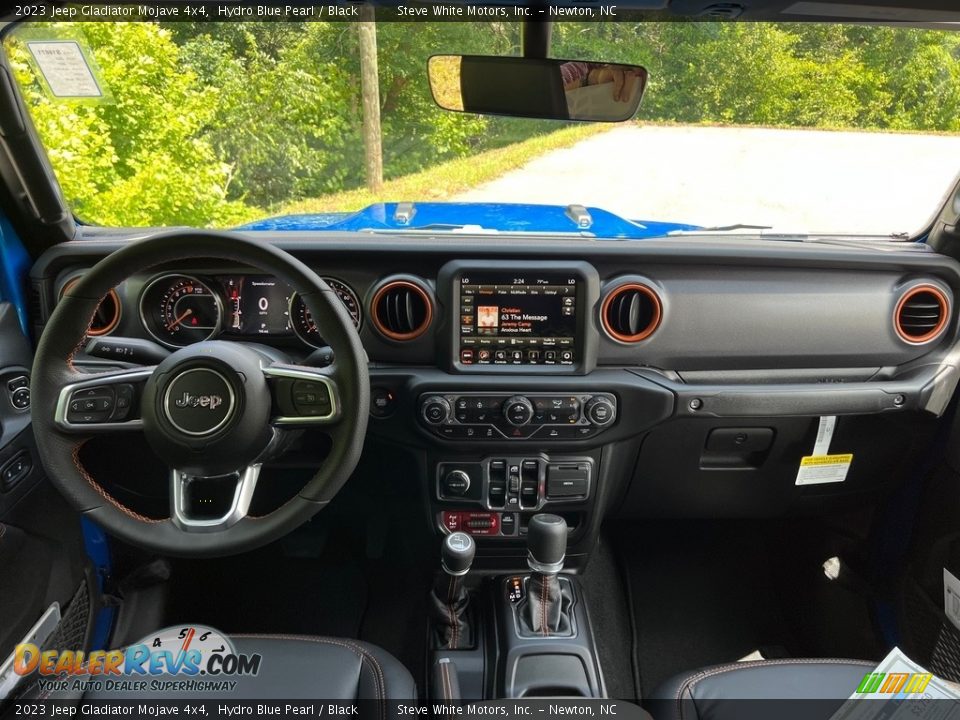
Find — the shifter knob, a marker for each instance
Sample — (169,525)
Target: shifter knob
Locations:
(456,554)
(546,543)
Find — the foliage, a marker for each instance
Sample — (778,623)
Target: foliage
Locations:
(213,124)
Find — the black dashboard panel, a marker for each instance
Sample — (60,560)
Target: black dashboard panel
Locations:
(729,306)
(787,318)
(672,340)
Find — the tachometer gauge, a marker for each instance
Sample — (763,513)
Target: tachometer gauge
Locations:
(302,322)
(178,310)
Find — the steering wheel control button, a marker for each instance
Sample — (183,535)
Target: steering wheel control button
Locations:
(124,402)
(311,398)
(91,405)
(199,402)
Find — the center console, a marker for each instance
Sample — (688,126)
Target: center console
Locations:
(515,432)
(512,325)
(522,635)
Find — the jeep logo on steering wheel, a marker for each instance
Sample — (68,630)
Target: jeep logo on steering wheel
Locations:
(205,401)
(199,388)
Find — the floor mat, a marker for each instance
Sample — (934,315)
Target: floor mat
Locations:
(360,569)
(701,594)
(270,591)
(606,597)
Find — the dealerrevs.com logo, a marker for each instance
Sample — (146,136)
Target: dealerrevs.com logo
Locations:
(186,659)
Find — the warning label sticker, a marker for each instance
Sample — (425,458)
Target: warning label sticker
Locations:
(820,469)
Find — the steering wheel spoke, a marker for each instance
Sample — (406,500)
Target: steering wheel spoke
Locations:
(303,396)
(213,503)
(105,402)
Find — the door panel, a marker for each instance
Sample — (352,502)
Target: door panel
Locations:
(42,559)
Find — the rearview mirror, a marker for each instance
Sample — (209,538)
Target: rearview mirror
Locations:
(537,88)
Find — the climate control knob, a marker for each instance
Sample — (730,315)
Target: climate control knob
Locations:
(600,411)
(518,410)
(435,410)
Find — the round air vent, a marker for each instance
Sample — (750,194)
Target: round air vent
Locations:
(922,314)
(631,313)
(107,316)
(401,310)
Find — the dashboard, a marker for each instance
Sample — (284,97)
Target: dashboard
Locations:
(671,378)
(734,314)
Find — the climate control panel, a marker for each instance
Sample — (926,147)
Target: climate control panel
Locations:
(499,415)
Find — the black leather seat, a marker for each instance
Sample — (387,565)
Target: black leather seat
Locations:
(294,667)
(789,688)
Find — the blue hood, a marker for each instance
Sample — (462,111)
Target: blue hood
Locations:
(502,217)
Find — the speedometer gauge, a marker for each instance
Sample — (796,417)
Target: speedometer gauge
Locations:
(302,321)
(178,310)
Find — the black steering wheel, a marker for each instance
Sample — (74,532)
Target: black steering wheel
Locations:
(213,411)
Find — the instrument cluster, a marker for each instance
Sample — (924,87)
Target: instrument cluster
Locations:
(178,310)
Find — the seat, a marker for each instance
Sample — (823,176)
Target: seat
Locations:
(788,688)
(292,667)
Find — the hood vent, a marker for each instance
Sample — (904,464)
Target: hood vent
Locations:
(401,310)
(921,314)
(631,313)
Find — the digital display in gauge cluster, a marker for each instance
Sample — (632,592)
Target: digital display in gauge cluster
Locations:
(257,305)
(178,310)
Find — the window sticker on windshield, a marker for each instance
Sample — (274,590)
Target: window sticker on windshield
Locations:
(820,467)
(66,69)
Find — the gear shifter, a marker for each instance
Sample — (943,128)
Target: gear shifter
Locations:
(449,598)
(546,608)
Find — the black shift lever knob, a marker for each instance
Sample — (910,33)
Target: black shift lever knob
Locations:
(457,553)
(546,543)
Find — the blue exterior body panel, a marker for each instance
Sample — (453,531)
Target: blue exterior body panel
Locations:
(502,217)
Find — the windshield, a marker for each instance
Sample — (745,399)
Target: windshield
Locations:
(794,127)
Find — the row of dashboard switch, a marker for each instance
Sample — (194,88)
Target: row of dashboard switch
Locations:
(494,416)
(518,410)
(490,432)
(514,485)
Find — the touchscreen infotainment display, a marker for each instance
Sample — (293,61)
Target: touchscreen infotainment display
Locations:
(518,319)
